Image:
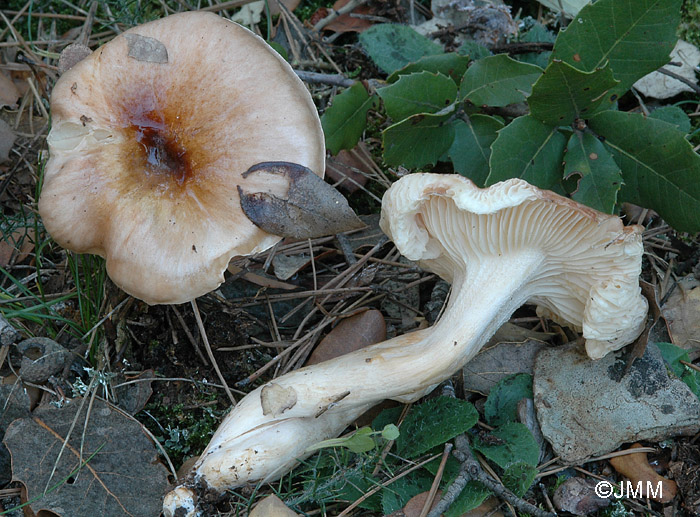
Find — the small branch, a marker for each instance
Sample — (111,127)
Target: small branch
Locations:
(318,78)
(436,482)
(680,78)
(471,469)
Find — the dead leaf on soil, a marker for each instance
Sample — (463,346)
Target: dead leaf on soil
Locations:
(133,397)
(272,506)
(415,505)
(369,236)
(501,358)
(345,170)
(123,478)
(262,281)
(636,468)
(312,209)
(578,496)
(640,344)
(14,402)
(18,245)
(7,139)
(686,473)
(344,22)
(9,94)
(682,314)
(286,266)
(661,86)
(353,333)
(289,4)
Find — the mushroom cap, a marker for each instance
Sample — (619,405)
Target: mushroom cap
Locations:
(150,137)
(588,276)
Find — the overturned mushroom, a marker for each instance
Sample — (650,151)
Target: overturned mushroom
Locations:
(500,247)
(151,136)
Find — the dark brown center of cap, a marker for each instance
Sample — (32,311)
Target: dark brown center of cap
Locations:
(163,152)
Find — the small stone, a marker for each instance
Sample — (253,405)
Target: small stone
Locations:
(8,334)
(588,408)
(578,496)
(43,357)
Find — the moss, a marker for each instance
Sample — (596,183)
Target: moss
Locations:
(689,29)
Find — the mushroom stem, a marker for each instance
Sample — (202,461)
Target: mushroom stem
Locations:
(273,426)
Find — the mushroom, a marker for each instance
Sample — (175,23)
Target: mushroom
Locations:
(151,136)
(500,247)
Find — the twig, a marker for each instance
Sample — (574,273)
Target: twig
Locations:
(376,489)
(436,482)
(226,5)
(319,78)
(203,333)
(471,469)
(680,78)
(189,335)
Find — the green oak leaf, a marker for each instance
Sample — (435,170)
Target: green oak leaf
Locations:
(422,92)
(471,148)
(418,140)
(634,36)
(450,64)
(527,149)
(509,443)
(432,423)
(502,403)
(345,120)
(562,93)
(498,81)
(660,170)
(600,177)
(392,46)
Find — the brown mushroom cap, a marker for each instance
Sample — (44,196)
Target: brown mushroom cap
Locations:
(150,137)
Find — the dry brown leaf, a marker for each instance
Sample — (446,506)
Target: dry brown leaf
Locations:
(9,94)
(262,281)
(640,344)
(346,22)
(353,333)
(7,140)
(682,314)
(289,4)
(133,397)
(343,170)
(272,506)
(312,208)
(578,496)
(18,245)
(636,468)
(415,505)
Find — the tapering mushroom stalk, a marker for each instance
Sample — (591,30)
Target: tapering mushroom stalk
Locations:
(500,247)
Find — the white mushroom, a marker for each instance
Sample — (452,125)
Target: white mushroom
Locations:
(500,247)
(151,135)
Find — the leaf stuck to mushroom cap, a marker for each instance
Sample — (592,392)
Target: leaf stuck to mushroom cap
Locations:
(311,209)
